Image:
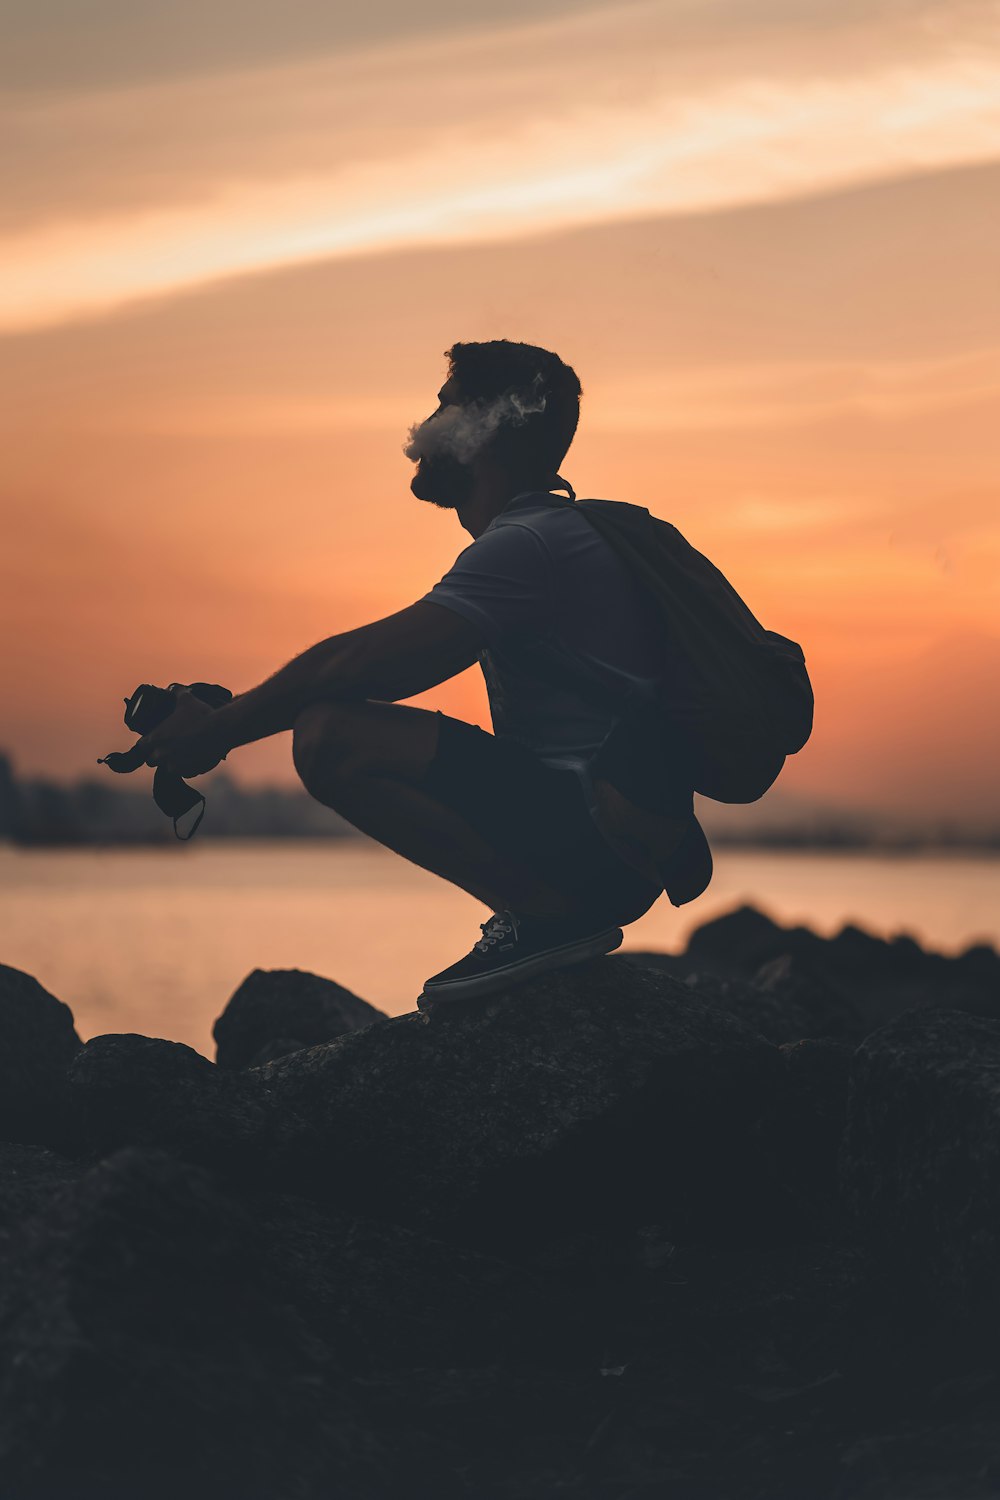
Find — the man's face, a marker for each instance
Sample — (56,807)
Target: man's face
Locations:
(442,478)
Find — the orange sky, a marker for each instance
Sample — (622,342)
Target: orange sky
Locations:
(764,235)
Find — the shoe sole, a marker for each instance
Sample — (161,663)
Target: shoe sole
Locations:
(541,963)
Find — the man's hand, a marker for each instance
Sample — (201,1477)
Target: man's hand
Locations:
(188,742)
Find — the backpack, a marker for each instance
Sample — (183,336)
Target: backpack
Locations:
(736,700)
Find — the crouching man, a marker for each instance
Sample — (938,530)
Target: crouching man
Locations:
(561,858)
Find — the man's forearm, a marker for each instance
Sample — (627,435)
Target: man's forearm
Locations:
(389,660)
(324,670)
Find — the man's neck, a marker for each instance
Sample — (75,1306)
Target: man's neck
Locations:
(488,500)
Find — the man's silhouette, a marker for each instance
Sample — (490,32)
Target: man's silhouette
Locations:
(563,860)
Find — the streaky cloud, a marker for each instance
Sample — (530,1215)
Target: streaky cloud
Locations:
(477,140)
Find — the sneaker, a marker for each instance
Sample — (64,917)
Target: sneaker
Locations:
(513,948)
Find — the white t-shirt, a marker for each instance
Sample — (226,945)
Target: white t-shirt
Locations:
(542,572)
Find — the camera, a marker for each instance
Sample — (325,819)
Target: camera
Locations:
(147,707)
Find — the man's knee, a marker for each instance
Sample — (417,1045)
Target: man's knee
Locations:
(334,744)
(323,750)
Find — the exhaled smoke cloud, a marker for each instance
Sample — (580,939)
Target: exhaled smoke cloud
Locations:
(462,432)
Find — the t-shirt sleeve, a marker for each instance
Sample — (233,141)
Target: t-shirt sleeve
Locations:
(500,582)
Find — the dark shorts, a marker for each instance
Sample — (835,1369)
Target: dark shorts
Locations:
(535,814)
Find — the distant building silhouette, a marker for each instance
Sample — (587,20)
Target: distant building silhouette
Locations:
(10,799)
(40,811)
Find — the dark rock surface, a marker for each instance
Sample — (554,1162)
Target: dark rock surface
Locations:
(574,1097)
(792,983)
(653,1226)
(286,1008)
(829,1011)
(807,1123)
(279,1046)
(737,942)
(37,1040)
(782,1004)
(30,1176)
(142,1356)
(385,1296)
(127,1090)
(921,1155)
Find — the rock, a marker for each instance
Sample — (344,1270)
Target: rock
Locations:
(37,1042)
(809,1119)
(981,963)
(843,987)
(780,1002)
(932,1459)
(600,1092)
(280,1047)
(298,1008)
(718,1377)
(30,1176)
(817,1072)
(854,951)
(624,1264)
(921,1158)
(674,964)
(776,1016)
(738,942)
(128,1090)
(828,1012)
(743,942)
(143,1356)
(383,1296)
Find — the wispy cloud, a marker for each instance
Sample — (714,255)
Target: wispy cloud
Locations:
(792,393)
(604,116)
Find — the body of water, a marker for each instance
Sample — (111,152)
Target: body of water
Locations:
(155,940)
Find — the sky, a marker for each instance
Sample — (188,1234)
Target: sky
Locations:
(238,238)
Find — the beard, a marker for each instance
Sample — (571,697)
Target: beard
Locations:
(443,481)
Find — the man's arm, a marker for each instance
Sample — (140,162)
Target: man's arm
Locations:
(393,658)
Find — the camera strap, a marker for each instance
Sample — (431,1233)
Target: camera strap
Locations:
(174,797)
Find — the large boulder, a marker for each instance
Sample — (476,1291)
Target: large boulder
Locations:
(276,1011)
(30,1176)
(384,1296)
(775,1014)
(791,986)
(602,1091)
(143,1354)
(37,1042)
(921,1158)
(780,1002)
(743,940)
(129,1090)
(842,987)
(735,943)
(808,1116)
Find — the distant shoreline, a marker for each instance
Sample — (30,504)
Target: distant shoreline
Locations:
(776,844)
(36,812)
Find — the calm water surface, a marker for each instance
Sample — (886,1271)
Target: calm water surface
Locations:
(156,940)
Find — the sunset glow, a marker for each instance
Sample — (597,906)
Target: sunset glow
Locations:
(767,243)
(713,136)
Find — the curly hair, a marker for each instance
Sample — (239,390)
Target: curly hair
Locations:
(545,390)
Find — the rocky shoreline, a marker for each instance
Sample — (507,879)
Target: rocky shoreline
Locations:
(717,1225)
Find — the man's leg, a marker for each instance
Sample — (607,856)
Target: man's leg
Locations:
(367,761)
